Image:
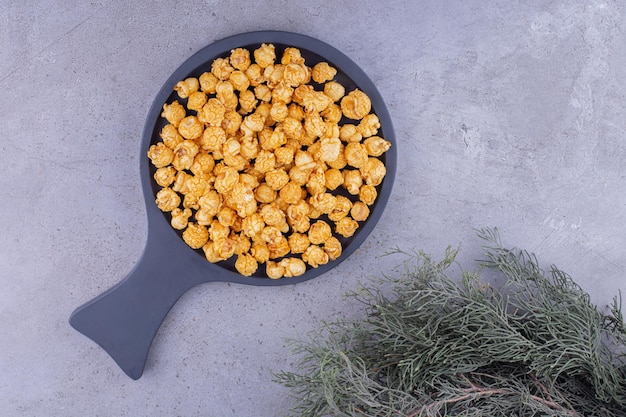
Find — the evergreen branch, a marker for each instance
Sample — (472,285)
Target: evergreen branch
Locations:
(430,346)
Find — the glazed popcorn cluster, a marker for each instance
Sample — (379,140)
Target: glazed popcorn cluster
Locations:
(254,154)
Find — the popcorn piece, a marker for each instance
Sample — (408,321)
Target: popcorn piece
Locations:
(246,264)
(221,68)
(346,227)
(165,176)
(323,72)
(273,270)
(265,55)
(231,122)
(356,105)
(167,199)
(170,136)
(264,193)
(341,209)
(324,202)
(180,218)
(186,87)
(356,154)
(352,181)
(174,112)
(185,154)
(252,225)
(293,267)
(292,56)
(332,113)
(208,82)
(369,125)
(333,178)
(195,235)
(319,232)
(333,248)
(203,163)
(276,179)
(350,133)
(373,171)
(298,216)
(247,102)
(196,101)
(298,242)
(212,112)
(279,111)
(295,74)
(160,155)
(376,146)
(291,193)
(359,212)
(218,231)
(226,180)
(315,256)
(240,59)
(255,74)
(278,248)
(330,148)
(260,252)
(190,128)
(334,90)
(224,248)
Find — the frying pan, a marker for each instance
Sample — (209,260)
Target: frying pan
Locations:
(125,319)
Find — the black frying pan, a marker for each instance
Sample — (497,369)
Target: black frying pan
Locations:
(125,319)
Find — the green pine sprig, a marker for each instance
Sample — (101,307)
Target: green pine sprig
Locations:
(435,346)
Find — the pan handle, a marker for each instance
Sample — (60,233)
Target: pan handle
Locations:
(125,319)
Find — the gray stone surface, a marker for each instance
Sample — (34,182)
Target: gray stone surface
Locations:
(508,114)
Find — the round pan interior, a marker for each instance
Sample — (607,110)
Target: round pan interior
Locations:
(348,74)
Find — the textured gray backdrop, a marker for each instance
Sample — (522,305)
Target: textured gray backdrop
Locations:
(507,114)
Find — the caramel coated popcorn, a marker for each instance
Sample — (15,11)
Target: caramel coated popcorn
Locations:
(269,161)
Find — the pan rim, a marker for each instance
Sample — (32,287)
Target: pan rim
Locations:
(156,218)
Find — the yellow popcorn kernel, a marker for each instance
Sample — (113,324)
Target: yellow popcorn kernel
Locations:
(356,105)
(298,242)
(373,171)
(341,209)
(369,125)
(167,199)
(208,82)
(173,113)
(221,68)
(165,176)
(292,55)
(195,235)
(265,55)
(240,59)
(376,146)
(360,211)
(352,181)
(190,127)
(196,100)
(160,155)
(293,267)
(315,256)
(273,270)
(334,90)
(246,264)
(333,248)
(319,232)
(346,227)
(180,218)
(170,136)
(186,87)
(322,72)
